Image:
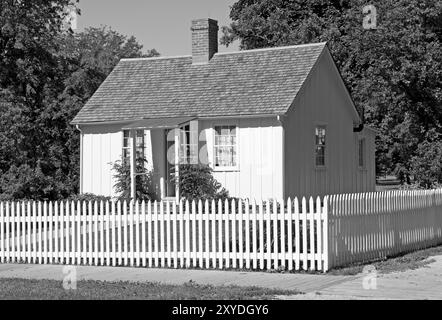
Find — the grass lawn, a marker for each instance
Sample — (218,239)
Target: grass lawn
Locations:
(409,261)
(17,289)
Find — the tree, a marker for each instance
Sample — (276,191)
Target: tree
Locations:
(30,80)
(426,165)
(91,55)
(47,73)
(393,72)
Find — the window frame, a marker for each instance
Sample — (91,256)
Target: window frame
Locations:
(125,148)
(315,145)
(364,152)
(225,168)
(137,147)
(187,147)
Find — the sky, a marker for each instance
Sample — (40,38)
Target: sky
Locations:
(160,24)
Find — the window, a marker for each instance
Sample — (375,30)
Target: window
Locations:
(126,146)
(188,146)
(320,146)
(139,145)
(361,152)
(225,146)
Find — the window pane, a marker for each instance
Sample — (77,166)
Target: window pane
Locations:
(320,156)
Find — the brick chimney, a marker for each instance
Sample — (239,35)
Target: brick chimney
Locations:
(204,40)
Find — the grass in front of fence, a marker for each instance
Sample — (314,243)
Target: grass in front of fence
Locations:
(405,262)
(18,289)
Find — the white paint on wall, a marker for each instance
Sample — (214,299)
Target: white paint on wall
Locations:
(259,172)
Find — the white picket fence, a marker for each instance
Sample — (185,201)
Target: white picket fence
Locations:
(210,235)
(290,235)
(372,226)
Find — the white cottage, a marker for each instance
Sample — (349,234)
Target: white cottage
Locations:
(272,123)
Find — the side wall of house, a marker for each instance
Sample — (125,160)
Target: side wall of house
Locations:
(323,102)
(101,146)
(260,171)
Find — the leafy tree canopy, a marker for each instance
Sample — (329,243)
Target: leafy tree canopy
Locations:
(47,73)
(393,72)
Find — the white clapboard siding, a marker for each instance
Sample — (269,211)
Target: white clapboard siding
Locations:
(309,234)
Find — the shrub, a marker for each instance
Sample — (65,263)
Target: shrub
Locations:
(197,183)
(88,197)
(143,182)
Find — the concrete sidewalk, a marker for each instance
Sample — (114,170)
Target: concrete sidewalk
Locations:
(300,282)
(422,283)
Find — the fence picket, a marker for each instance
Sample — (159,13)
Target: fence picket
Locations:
(168,235)
(114,238)
(175,236)
(56,232)
(143,231)
(181,233)
(213,229)
(226,235)
(161,235)
(298,240)
(105,227)
(94,224)
(102,252)
(7,235)
(13,232)
(290,234)
(155,234)
(275,234)
(261,236)
(207,233)
(268,236)
(200,234)
(247,234)
(234,251)
(131,233)
(63,230)
(23,232)
(281,222)
(67,243)
(193,231)
(240,234)
(119,233)
(220,253)
(304,234)
(188,219)
(149,232)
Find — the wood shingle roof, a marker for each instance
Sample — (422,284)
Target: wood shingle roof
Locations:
(263,81)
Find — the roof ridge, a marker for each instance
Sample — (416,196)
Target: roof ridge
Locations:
(274,48)
(156,58)
(233,52)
